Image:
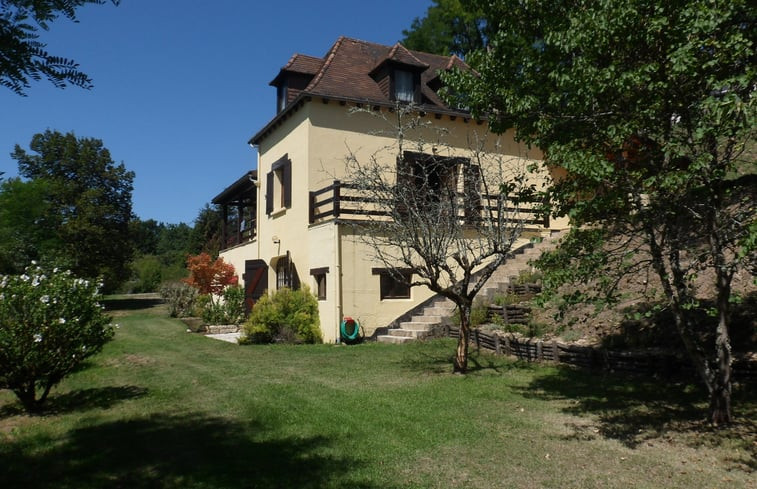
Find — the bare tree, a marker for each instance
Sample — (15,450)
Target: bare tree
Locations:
(437,218)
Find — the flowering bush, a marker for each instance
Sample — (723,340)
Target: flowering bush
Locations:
(49,323)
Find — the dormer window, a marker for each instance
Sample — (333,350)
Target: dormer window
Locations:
(282,93)
(404,86)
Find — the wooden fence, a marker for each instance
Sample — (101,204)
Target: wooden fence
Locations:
(650,362)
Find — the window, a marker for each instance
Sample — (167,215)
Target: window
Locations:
(282,93)
(394,284)
(404,86)
(319,275)
(279,186)
(286,273)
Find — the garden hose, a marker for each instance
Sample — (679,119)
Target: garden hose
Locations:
(350,330)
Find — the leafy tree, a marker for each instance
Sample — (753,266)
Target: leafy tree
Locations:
(424,228)
(449,27)
(24,56)
(25,231)
(207,234)
(648,106)
(210,276)
(50,322)
(88,204)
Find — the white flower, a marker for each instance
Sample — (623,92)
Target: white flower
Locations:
(37,338)
(61,321)
(24,277)
(44,299)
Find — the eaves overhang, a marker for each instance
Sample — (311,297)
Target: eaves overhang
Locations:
(304,97)
(245,183)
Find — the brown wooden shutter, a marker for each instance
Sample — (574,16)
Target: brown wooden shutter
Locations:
(287,183)
(269,193)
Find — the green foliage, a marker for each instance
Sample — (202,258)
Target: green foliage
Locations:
(289,316)
(648,107)
(478,315)
(24,55)
(50,322)
(26,232)
(180,298)
(87,206)
(449,27)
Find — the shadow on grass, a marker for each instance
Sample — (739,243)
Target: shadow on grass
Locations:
(635,410)
(80,400)
(136,303)
(174,452)
(437,356)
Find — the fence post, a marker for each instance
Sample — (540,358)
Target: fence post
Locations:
(311,211)
(497,347)
(508,351)
(337,196)
(539,351)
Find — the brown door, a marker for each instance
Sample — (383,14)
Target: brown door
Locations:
(255,282)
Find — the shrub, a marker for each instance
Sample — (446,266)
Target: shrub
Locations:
(289,316)
(49,324)
(478,313)
(233,304)
(180,299)
(227,310)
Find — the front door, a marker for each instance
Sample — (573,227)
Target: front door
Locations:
(255,282)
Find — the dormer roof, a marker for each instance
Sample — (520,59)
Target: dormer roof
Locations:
(299,63)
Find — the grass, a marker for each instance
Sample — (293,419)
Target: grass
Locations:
(161,408)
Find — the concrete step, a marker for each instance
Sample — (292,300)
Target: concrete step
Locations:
(417,326)
(394,339)
(427,318)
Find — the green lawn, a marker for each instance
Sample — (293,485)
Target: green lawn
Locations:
(162,408)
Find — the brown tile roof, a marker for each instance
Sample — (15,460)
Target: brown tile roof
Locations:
(344,73)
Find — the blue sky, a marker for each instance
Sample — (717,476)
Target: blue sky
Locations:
(181,85)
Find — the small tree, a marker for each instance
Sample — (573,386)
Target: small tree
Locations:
(210,276)
(50,322)
(440,220)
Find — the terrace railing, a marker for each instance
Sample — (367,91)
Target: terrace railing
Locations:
(342,200)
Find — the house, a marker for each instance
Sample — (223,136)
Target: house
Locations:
(288,222)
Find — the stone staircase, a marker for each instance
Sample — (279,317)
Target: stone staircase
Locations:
(429,319)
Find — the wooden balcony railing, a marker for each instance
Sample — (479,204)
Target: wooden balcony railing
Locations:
(342,200)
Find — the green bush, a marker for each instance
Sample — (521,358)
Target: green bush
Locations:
(50,322)
(289,316)
(180,298)
(227,310)
(478,313)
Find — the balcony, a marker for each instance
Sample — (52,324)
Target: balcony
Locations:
(343,201)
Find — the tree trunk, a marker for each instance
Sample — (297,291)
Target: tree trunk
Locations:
(720,392)
(461,353)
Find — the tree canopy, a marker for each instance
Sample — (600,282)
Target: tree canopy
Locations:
(449,27)
(85,202)
(649,107)
(23,56)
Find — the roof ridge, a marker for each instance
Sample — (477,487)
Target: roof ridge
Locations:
(398,46)
(326,64)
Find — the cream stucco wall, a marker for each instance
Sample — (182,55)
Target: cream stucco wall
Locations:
(317,138)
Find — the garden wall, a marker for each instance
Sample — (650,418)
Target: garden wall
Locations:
(657,362)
